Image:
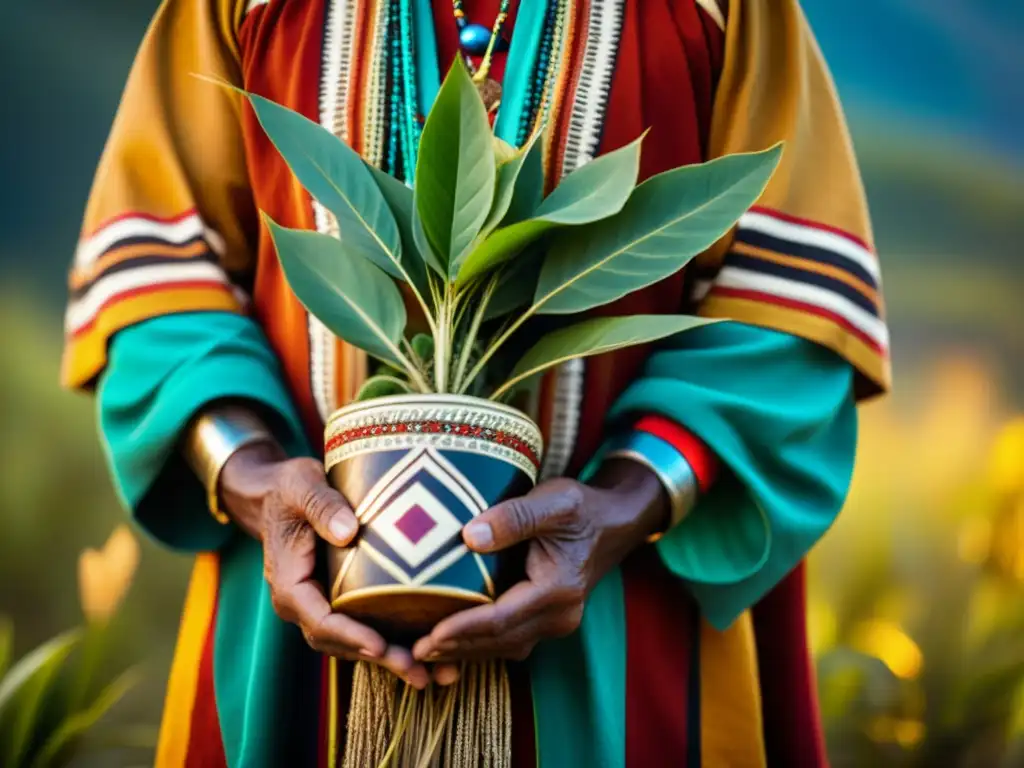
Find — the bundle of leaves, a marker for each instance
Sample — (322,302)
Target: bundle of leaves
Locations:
(481,250)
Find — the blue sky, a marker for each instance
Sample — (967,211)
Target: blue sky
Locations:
(952,67)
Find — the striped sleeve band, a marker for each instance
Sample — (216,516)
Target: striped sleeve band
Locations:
(808,279)
(134,267)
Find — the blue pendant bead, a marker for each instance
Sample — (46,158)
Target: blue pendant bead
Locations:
(474,38)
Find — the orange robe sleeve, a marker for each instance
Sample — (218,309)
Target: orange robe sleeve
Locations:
(803,260)
(170,220)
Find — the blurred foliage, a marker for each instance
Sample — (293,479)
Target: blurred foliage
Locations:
(56,499)
(917,608)
(51,700)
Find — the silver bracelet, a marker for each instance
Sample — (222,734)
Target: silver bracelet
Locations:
(214,436)
(670,467)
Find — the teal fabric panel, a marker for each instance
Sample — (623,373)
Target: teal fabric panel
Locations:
(161,373)
(579,687)
(779,412)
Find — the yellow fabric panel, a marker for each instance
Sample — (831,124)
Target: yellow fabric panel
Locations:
(775,86)
(200,605)
(171,206)
(176,142)
(85,354)
(730,699)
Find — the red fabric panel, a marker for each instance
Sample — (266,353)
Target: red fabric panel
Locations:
(714,38)
(703,74)
(205,744)
(670,107)
(652,89)
(792,721)
(701,459)
(661,620)
(281,46)
(524,742)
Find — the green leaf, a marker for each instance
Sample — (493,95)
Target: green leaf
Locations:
(95,638)
(381,386)
(508,174)
(6,644)
(594,192)
(23,691)
(336,175)
(529,188)
(670,219)
(354,299)
(79,723)
(595,337)
(423,345)
(423,246)
(517,284)
(455,170)
(399,198)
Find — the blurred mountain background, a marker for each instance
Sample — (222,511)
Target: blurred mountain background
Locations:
(917,608)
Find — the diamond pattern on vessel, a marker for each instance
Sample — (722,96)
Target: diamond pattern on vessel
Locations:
(415,523)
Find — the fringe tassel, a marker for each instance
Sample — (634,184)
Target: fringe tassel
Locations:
(465,725)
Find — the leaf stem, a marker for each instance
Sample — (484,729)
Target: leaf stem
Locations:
(497,343)
(474,329)
(442,340)
(415,377)
(416,359)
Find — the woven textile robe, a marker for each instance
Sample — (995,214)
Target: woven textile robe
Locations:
(706,79)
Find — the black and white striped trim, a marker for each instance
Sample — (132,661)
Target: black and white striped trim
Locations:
(775,259)
(176,231)
(336,59)
(586,122)
(118,278)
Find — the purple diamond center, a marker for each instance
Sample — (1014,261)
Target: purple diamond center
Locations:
(415,523)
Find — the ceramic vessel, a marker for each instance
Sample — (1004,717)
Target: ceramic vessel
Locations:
(416,469)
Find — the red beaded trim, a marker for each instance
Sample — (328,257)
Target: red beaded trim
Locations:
(437,427)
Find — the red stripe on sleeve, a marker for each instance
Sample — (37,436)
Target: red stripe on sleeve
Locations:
(701,459)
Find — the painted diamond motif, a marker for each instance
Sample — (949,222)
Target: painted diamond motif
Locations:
(415,523)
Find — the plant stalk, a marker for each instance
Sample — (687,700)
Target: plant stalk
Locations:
(474,329)
(496,345)
(442,340)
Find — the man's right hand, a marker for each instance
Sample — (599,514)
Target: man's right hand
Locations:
(286,504)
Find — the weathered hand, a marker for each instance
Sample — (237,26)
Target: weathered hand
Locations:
(287,504)
(576,534)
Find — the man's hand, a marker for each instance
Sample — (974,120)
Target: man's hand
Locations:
(287,504)
(576,534)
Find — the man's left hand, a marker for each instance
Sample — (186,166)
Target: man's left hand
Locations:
(576,534)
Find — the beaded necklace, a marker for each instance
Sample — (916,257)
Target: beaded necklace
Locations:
(399,122)
(476,40)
